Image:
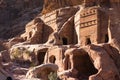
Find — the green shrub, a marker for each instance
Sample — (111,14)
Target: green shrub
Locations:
(52,76)
(17,53)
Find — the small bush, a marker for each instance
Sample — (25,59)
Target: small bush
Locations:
(52,76)
(19,53)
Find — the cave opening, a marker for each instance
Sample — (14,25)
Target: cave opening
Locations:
(65,41)
(84,66)
(52,59)
(40,57)
(88,41)
(106,38)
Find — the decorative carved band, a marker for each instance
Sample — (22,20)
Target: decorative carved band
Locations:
(88,13)
(87,24)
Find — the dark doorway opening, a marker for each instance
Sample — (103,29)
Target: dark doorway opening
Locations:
(52,59)
(40,57)
(106,38)
(65,42)
(88,41)
(84,66)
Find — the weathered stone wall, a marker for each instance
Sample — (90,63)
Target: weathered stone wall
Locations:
(77,23)
(60,21)
(55,55)
(93,26)
(114,19)
(89,62)
(103,21)
(34,31)
(67,32)
(57,18)
(88,26)
(50,19)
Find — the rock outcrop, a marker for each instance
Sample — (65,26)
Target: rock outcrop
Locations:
(101,59)
(42,71)
(3,74)
(71,42)
(50,5)
(15,14)
(34,31)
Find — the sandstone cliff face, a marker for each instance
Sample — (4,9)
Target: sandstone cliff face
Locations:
(50,5)
(97,59)
(115,23)
(14,14)
(101,55)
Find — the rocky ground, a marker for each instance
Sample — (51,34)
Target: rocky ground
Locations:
(16,70)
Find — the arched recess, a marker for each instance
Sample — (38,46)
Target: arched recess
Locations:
(88,41)
(52,59)
(40,57)
(106,38)
(84,65)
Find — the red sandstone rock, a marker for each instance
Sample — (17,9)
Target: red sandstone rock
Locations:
(95,28)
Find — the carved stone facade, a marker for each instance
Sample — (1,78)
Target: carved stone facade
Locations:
(34,31)
(59,31)
(88,26)
(56,27)
(93,26)
(57,58)
(76,42)
(82,63)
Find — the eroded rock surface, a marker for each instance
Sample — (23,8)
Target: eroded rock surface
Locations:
(42,71)
(15,14)
(76,42)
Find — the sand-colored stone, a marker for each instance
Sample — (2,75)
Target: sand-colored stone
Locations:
(34,31)
(94,23)
(83,41)
(41,71)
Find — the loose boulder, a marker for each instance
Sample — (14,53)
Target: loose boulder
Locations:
(42,71)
